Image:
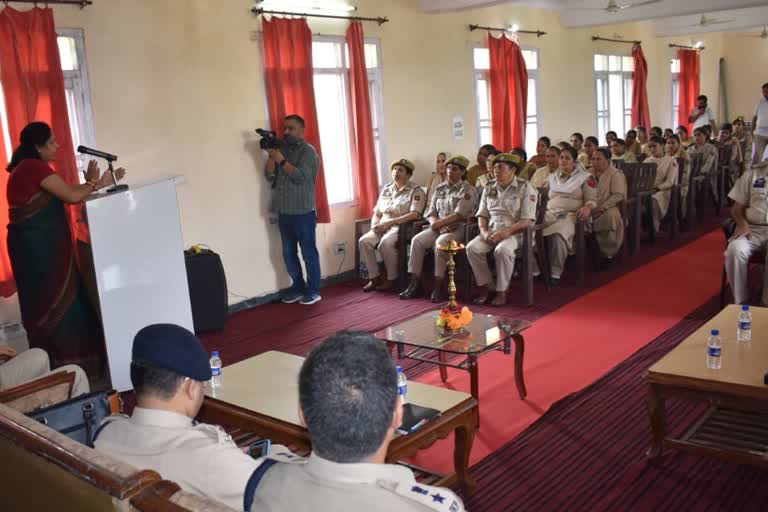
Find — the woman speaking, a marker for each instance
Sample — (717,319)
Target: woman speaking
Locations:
(55,309)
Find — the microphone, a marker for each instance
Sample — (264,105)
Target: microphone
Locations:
(95,152)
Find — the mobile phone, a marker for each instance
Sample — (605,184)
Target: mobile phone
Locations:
(259,448)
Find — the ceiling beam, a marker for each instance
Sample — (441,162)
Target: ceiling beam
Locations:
(572,17)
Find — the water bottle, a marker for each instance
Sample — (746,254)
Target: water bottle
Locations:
(744,332)
(714,350)
(215,369)
(402,385)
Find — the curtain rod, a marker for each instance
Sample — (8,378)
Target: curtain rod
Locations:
(598,38)
(81,3)
(258,11)
(538,33)
(686,47)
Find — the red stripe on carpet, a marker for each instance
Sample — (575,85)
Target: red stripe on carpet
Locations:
(604,327)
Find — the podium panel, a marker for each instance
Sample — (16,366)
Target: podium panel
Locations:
(138,260)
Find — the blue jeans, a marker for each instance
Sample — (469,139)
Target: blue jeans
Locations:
(300,230)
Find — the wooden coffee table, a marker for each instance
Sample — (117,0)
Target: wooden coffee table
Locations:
(485,333)
(261,395)
(735,426)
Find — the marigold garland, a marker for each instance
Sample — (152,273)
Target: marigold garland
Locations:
(453,320)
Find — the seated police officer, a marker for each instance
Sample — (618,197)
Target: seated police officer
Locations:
(348,401)
(169,369)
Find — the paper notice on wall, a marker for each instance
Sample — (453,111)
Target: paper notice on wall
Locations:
(458,127)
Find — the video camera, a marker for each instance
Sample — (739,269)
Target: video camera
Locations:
(268,140)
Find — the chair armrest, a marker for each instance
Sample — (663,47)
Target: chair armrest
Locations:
(42,392)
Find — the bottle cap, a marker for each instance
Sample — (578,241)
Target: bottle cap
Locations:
(215,353)
(714,332)
(745,308)
(399,368)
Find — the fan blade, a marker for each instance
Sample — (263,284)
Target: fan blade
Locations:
(718,22)
(638,4)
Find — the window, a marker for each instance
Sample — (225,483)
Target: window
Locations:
(331,63)
(481,60)
(675,70)
(75,69)
(613,94)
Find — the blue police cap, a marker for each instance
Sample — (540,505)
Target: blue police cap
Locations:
(172,347)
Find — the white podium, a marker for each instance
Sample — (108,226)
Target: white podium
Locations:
(138,261)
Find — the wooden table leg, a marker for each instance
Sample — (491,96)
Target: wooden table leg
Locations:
(441,364)
(657,413)
(519,352)
(474,384)
(464,436)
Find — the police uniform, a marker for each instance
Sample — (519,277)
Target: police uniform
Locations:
(294,483)
(627,157)
(609,227)
(541,177)
(567,194)
(461,199)
(33,364)
(666,177)
(201,458)
(709,164)
(392,203)
(584,160)
(503,207)
(751,190)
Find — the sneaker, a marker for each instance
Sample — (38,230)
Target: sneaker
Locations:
(292,298)
(310,299)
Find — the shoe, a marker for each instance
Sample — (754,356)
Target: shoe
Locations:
(554,281)
(436,296)
(413,287)
(387,286)
(499,300)
(310,299)
(372,284)
(292,298)
(482,296)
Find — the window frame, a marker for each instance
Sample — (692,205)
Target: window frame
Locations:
(675,85)
(605,75)
(481,74)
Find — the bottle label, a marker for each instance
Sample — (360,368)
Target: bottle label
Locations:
(714,351)
(744,326)
(215,372)
(402,390)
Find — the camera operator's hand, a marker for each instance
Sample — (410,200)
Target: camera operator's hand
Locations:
(276,155)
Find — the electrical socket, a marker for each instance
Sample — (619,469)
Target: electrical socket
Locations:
(340,248)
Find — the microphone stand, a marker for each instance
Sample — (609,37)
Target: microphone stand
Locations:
(116,187)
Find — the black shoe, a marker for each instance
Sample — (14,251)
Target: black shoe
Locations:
(436,297)
(554,281)
(409,292)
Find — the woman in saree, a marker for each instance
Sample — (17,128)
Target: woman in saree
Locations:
(55,309)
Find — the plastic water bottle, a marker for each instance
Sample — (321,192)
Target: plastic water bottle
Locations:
(402,385)
(714,350)
(216,377)
(744,332)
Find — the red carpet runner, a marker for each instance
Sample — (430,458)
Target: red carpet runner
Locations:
(575,345)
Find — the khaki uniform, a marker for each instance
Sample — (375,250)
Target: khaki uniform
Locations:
(645,150)
(392,203)
(584,160)
(751,190)
(475,172)
(296,484)
(627,157)
(482,181)
(609,227)
(33,364)
(434,181)
(503,208)
(567,194)
(666,177)
(461,199)
(635,149)
(709,165)
(541,177)
(528,171)
(201,458)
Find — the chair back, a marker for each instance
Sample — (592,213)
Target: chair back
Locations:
(696,163)
(681,163)
(541,205)
(640,177)
(39,393)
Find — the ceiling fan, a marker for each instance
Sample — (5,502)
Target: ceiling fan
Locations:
(704,21)
(763,34)
(614,7)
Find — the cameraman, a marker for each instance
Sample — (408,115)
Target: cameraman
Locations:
(291,169)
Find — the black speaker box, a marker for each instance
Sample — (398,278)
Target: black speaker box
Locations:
(207,290)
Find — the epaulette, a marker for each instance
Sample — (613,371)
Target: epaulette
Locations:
(435,498)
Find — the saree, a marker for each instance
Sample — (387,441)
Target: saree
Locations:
(55,309)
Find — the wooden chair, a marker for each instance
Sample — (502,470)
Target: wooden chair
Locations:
(640,180)
(404,236)
(695,191)
(36,394)
(725,181)
(703,186)
(757,259)
(167,496)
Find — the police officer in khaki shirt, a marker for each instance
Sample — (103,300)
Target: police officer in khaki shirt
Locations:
(351,415)
(400,201)
(750,212)
(453,202)
(607,222)
(169,369)
(572,195)
(507,207)
(18,368)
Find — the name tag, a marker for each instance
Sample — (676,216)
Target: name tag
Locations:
(759,183)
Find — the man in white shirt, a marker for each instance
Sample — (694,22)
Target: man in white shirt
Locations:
(702,115)
(760,126)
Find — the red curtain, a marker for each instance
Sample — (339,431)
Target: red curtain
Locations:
(33,85)
(641,115)
(508,79)
(289,79)
(363,149)
(688,85)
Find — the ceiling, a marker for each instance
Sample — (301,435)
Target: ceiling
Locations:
(668,17)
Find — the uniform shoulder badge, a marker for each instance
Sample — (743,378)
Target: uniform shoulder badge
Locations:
(592,182)
(285,456)
(435,498)
(215,433)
